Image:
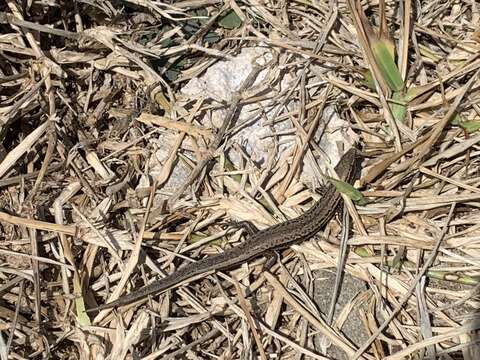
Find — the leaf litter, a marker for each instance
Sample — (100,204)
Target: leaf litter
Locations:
(112,174)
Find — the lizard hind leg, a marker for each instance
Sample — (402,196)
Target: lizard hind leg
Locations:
(246,225)
(271,258)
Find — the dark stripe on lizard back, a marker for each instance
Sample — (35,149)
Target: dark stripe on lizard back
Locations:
(277,236)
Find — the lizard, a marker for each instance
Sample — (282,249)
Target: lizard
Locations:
(275,237)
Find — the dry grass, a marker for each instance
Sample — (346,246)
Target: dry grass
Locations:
(111,177)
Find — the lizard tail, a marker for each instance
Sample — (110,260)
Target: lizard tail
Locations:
(217,262)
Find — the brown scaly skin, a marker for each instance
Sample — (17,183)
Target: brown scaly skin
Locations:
(277,236)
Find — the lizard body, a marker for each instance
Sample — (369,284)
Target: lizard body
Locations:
(277,236)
